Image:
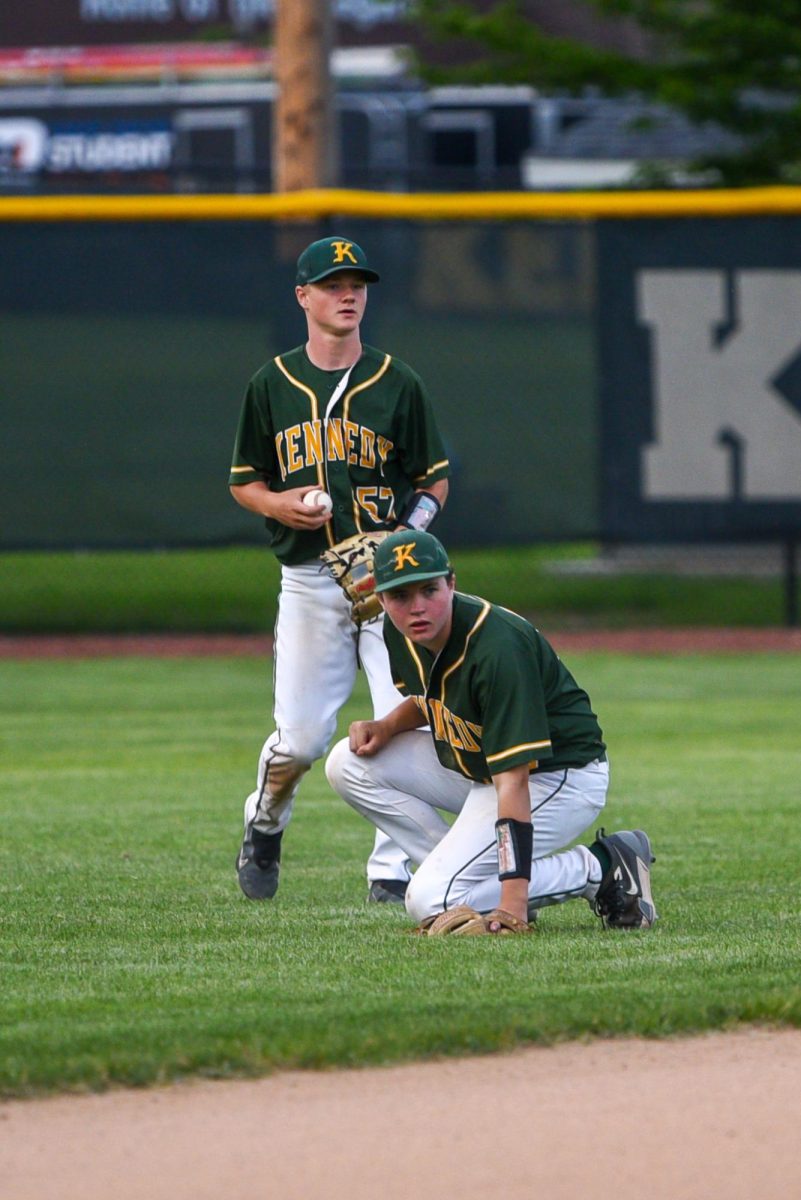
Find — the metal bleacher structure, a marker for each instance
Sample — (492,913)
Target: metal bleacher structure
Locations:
(197,118)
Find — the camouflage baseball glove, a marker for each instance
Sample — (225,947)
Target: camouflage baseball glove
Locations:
(351,564)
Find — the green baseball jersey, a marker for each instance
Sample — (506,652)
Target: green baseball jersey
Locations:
(379,444)
(497,695)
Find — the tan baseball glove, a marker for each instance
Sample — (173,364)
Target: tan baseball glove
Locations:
(351,564)
(501,921)
(464,921)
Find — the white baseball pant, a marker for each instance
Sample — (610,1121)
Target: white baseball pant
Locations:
(317,653)
(401,789)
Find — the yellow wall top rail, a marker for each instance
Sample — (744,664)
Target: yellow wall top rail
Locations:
(419,206)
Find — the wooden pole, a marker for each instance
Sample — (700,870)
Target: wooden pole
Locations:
(304,131)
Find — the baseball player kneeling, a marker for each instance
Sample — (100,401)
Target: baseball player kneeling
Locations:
(512,746)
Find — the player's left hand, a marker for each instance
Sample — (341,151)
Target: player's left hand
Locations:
(351,564)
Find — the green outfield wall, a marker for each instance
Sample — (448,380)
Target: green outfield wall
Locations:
(604,365)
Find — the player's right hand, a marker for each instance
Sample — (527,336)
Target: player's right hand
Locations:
(289,509)
(367,737)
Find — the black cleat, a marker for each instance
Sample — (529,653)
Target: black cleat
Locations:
(257,864)
(387,891)
(623,900)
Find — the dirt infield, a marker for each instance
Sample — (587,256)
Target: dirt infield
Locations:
(622,641)
(707,1118)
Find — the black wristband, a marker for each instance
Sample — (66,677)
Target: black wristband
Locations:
(515,844)
(421,511)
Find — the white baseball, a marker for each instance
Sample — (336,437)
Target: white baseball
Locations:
(318,499)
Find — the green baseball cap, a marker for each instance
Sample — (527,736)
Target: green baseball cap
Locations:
(409,556)
(329,255)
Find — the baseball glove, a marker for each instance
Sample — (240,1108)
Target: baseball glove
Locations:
(351,564)
(464,921)
(500,921)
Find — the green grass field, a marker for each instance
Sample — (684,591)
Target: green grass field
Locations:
(234,590)
(129,956)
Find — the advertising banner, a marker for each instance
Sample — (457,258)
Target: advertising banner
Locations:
(84,147)
(94,22)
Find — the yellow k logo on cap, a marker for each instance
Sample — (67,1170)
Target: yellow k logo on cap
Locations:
(342,250)
(404,554)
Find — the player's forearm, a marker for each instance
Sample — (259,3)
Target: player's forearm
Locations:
(423,506)
(255,497)
(514,801)
(439,491)
(403,718)
(514,804)
(287,507)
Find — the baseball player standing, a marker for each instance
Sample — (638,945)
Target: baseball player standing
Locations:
(513,747)
(336,416)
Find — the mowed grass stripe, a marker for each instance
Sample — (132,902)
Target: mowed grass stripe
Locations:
(128,955)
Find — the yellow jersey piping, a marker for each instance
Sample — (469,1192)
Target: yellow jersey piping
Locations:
(435,467)
(315,414)
(410,647)
(360,387)
(493,758)
(479,621)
